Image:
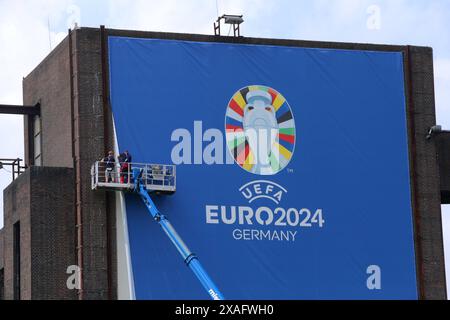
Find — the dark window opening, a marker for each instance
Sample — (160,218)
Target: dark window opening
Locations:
(16,260)
(37,141)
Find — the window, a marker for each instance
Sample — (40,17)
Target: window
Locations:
(37,134)
(16,260)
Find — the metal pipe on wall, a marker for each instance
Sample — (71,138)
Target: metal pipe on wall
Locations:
(77,182)
(106,133)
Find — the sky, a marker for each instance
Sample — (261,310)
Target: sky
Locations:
(29,29)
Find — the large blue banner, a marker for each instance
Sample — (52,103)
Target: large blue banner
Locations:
(292,168)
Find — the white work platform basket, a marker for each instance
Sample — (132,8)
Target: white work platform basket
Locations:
(160,178)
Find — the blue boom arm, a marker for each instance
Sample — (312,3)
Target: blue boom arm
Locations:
(189,258)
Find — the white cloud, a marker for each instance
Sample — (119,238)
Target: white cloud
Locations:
(344,10)
(168,16)
(24,37)
(196,16)
(442,69)
(442,85)
(402,22)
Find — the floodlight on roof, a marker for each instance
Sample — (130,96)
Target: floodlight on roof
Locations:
(231,19)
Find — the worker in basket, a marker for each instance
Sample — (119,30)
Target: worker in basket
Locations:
(125,166)
(109,167)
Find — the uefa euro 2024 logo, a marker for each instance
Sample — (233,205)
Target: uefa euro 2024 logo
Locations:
(260,130)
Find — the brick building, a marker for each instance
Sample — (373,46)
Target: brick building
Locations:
(54,220)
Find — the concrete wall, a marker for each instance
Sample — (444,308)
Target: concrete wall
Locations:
(49,84)
(1,249)
(425,174)
(52,232)
(95,207)
(42,200)
(69,86)
(2,277)
(16,200)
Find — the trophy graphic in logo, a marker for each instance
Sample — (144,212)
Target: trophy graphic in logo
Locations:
(260,130)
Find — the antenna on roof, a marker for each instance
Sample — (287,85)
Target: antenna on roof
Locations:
(49,34)
(217,7)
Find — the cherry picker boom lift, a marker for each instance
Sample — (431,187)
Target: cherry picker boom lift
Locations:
(144,179)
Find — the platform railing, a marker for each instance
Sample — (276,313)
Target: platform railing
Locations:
(117,176)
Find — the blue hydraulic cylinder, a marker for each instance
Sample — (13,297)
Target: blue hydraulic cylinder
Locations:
(189,258)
